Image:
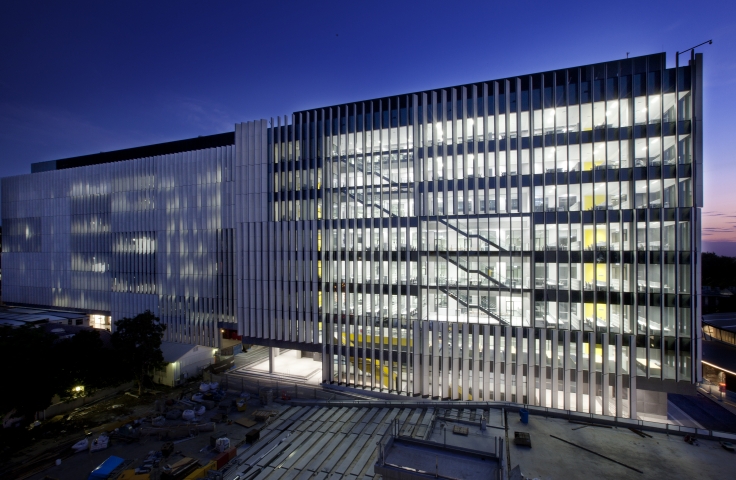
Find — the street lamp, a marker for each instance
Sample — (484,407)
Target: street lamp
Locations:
(444,429)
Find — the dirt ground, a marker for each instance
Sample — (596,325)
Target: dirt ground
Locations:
(30,453)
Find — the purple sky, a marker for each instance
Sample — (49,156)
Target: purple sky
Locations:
(85,77)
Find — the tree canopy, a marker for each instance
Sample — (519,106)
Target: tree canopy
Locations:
(718,271)
(30,374)
(137,342)
(39,365)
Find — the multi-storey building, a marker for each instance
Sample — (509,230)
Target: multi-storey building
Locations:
(533,239)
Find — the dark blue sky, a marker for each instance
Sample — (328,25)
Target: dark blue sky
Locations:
(85,77)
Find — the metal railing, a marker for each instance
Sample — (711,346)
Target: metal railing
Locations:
(282,389)
(595,418)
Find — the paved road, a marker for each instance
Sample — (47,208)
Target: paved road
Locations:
(705,411)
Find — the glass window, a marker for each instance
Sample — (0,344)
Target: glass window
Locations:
(599,155)
(525,124)
(641,236)
(684,282)
(574,160)
(640,152)
(640,111)
(655,242)
(640,194)
(655,151)
(573,198)
(683,110)
(563,243)
(684,233)
(538,199)
(655,109)
(512,125)
(685,192)
(573,121)
(549,160)
(668,150)
(587,156)
(588,237)
(668,107)
(549,198)
(627,235)
(575,239)
(525,199)
(615,236)
(625,153)
(668,236)
(669,196)
(538,161)
(561,119)
(599,194)
(587,196)
(684,149)
(562,165)
(491,164)
(538,125)
(614,198)
(599,114)
(525,162)
(513,162)
(502,126)
(586,115)
(625,109)
(549,120)
(612,155)
(612,114)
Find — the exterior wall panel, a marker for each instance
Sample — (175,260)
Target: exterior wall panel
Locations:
(533,239)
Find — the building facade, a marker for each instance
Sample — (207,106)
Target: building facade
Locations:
(533,239)
(114,238)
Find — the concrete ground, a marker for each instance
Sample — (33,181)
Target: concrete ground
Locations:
(290,363)
(316,440)
(81,464)
(435,461)
(658,457)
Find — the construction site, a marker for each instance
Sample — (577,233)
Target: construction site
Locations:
(254,423)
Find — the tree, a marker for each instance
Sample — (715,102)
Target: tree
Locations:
(717,270)
(84,360)
(30,374)
(137,342)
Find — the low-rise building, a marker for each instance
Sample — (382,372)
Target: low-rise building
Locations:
(184,361)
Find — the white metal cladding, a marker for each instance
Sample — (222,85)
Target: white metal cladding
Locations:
(119,238)
(456,243)
(276,266)
(416,292)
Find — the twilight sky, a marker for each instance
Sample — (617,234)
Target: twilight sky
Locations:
(84,77)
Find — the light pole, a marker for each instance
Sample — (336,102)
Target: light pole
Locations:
(444,430)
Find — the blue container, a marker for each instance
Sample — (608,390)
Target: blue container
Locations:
(524,414)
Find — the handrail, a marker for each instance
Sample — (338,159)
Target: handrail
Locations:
(501,282)
(468,305)
(473,235)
